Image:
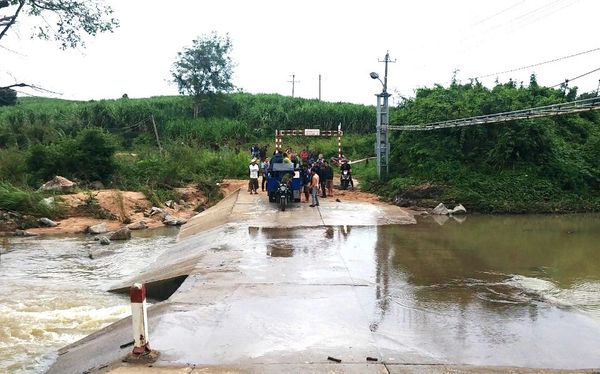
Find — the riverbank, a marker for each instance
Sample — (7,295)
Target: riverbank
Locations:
(117,209)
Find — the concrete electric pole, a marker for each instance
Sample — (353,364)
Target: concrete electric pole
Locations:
(293,82)
(382,146)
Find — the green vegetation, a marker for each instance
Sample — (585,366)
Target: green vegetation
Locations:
(113,141)
(8,97)
(204,69)
(26,201)
(542,165)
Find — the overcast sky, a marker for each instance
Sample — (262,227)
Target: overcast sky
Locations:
(343,40)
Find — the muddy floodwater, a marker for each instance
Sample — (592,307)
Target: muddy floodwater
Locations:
(52,293)
(481,290)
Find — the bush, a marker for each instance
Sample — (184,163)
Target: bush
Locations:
(87,157)
(7,97)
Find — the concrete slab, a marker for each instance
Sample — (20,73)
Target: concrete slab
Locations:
(270,292)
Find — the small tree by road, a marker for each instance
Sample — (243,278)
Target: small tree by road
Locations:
(204,69)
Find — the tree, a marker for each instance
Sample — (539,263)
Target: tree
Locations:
(7,97)
(204,69)
(71,18)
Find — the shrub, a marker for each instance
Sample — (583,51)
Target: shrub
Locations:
(7,97)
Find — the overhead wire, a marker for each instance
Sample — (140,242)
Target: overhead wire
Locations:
(478,36)
(538,64)
(577,77)
(523,18)
(498,13)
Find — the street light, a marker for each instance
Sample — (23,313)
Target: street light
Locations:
(374,75)
(382,147)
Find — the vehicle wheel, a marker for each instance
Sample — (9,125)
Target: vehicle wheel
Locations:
(283,203)
(344,185)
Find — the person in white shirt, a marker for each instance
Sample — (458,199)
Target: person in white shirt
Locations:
(253,176)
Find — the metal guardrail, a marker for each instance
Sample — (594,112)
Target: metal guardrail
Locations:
(543,111)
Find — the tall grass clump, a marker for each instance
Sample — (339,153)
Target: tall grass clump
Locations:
(25,201)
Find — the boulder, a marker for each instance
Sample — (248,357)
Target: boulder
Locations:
(104,240)
(60,184)
(440,209)
(140,225)
(404,202)
(97,229)
(24,233)
(169,220)
(459,209)
(153,211)
(47,222)
(121,234)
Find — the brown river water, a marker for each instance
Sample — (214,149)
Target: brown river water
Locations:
(482,290)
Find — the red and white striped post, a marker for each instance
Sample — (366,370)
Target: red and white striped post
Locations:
(340,155)
(139,318)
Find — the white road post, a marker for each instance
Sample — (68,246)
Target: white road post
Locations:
(139,318)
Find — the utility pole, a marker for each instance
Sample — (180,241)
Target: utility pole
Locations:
(319,87)
(293,82)
(382,147)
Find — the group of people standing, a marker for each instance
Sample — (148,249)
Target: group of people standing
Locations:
(317,180)
(316,173)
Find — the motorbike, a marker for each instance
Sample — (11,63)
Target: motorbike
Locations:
(283,195)
(345,179)
(283,184)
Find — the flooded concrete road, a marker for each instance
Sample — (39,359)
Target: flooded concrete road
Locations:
(259,294)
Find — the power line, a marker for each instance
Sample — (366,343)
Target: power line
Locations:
(571,107)
(536,10)
(12,51)
(539,63)
(498,13)
(577,77)
(517,21)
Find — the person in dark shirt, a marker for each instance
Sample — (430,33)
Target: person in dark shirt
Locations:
(346,166)
(305,178)
(327,179)
(262,153)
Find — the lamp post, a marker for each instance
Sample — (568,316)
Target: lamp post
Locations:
(382,145)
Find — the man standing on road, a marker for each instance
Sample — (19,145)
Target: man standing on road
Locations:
(264,169)
(305,177)
(326,179)
(253,177)
(314,187)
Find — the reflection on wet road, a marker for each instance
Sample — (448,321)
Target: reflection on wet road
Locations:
(520,291)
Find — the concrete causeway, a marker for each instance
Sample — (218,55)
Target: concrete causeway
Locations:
(264,291)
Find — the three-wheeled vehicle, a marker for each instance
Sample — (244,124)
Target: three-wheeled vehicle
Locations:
(283,184)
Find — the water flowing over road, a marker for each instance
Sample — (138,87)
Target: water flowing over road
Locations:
(52,293)
(496,291)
